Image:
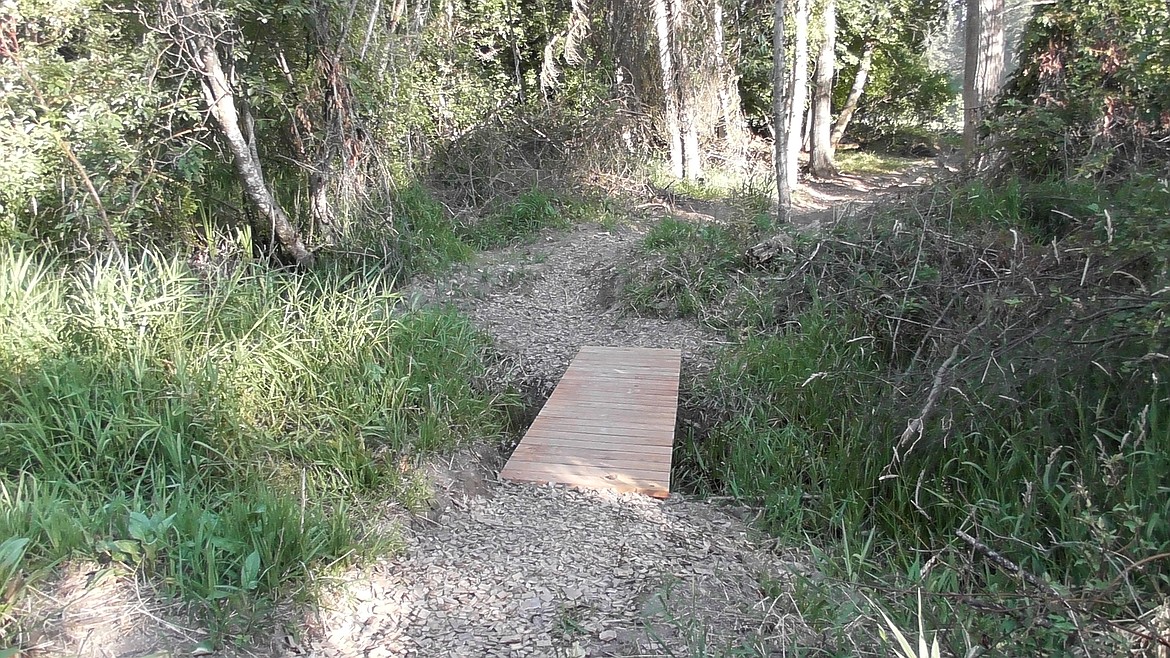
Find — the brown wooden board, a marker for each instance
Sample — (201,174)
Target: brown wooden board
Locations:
(608,425)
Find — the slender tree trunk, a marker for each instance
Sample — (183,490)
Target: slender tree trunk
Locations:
(190,34)
(798,95)
(855,92)
(520,89)
(806,132)
(687,89)
(821,153)
(334,106)
(780,104)
(374,13)
(735,139)
(662,23)
(983,66)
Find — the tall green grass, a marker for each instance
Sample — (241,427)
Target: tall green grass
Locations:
(1072,488)
(222,435)
(686,269)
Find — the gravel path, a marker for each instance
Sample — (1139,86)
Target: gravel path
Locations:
(515,570)
(541,302)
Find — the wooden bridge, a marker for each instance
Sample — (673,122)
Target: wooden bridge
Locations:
(608,425)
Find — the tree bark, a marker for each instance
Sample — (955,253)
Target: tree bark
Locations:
(662,24)
(335,106)
(983,67)
(855,92)
(780,103)
(192,34)
(687,89)
(821,153)
(798,94)
(733,132)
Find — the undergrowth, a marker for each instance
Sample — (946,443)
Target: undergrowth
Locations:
(222,435)
(937,402)
(533,212)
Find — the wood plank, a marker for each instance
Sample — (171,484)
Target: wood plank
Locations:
(551,422)
(630,408)
(592,479)
(593,434)
(615,394)
(609,424)
(601,451)
(569,445)
(552,427)
(583,390)
(608,433)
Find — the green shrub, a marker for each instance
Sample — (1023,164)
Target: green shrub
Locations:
(1047,436)
(427,240)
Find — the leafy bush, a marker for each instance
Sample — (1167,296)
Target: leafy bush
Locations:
(1090,99)
(904,93)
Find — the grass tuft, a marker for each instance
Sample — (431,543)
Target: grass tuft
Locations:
(1046,439)
(533,212)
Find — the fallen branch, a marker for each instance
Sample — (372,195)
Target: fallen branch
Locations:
(1004,563)
(914,427)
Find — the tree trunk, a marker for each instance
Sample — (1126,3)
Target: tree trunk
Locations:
(806,132)
(821,154)
(855,92)
(662,23)
(798,94)
(190,35)
(334,106)
(983,67)
(733,131)
(688,90)
(780,102)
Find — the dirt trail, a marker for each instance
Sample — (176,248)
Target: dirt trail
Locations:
(515,570)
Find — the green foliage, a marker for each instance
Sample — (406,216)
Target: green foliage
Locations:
(869,162)
(1051,209)
(427,240)
(534,212)
(83,86)
(904,93)
(11,582)
(216,434)
(1090,97)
